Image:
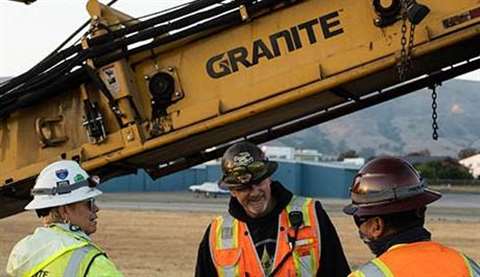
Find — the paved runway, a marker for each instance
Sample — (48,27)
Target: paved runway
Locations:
(450,206)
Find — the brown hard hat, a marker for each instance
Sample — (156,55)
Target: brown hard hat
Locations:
(388,185)
(243,164)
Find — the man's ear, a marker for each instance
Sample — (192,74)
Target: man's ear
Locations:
(377,227)
(232,193)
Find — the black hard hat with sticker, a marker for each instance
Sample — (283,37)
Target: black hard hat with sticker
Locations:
(245,164)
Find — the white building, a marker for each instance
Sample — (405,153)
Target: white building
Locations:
(354,161)
(290,153)
(279,152)
(473,164)
(308,155)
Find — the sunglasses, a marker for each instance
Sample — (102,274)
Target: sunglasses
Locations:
(91,204)
(243,174)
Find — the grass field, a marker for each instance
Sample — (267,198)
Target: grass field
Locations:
(158,243)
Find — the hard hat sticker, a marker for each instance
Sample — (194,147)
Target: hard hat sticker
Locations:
(63,183)
(61,174)
(78,178)
(243,159)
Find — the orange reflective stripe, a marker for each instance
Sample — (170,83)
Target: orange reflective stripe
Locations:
(231,248)
(234,254)
(305,259)
(250,260)
(282,247)
(424,259)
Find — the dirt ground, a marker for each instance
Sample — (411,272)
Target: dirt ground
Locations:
(158,243)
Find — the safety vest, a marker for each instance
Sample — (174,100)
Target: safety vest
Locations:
(72,260)
(419,259)
(234,254)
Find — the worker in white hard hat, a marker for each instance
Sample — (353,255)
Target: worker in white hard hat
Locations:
(64,198)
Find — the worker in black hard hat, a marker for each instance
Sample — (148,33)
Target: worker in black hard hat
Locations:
(267,231)
(389,200)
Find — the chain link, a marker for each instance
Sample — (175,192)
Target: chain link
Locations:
(405,62)
(403,52)
(410,46)
(434,112)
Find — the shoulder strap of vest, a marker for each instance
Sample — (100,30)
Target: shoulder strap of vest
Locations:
(300,204)
(296,203)
(90,258)
(375,268)
(226,228)
(473,267)
(81,256)
(228,231)
(54,256)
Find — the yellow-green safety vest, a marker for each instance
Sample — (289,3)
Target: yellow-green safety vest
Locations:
(73,260)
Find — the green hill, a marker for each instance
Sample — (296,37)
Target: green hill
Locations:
(402,125)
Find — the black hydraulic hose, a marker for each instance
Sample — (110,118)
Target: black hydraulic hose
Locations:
(228,20)
(193,7)
(62,84)
(16,81)
(160,30)
(55,74)
(53,58)
(85,24)
(98,51)
(224,21)
(42,78)
(93,52)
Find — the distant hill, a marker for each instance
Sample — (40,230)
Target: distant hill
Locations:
(402,125)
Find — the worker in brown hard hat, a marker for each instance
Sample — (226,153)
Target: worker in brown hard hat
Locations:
(389,200)
(267,230)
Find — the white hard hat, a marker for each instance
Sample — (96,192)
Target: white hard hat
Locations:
(61,183)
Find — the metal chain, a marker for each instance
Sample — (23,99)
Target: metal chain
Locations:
(403,52)
(410,46)
(406,51)
(434,112)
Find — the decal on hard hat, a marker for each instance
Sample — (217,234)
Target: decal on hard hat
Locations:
(63,184)
(61,174)
(78,178)
(243,159)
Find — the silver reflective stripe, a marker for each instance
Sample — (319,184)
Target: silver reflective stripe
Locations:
(229,271)
(371,270)
(227,232)
(297,203)
(227,242)
(474,268)
(306,266)
(75,261)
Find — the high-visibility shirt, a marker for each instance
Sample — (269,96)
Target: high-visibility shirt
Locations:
(234,254)
(58,251)
(419,259)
